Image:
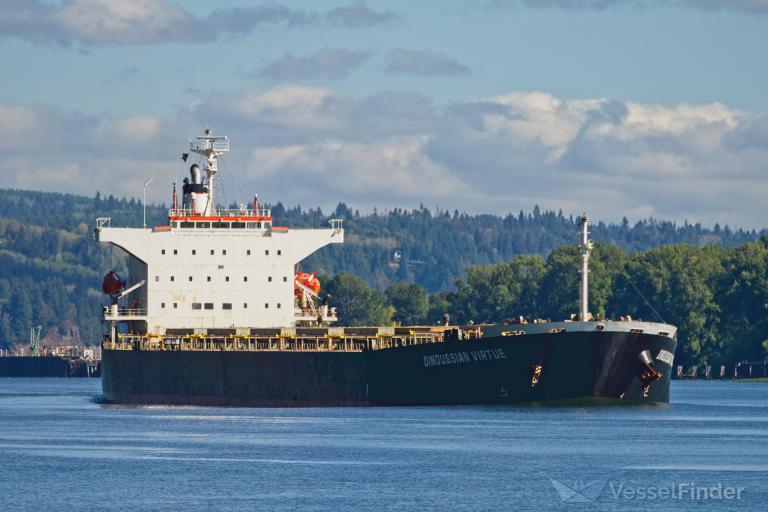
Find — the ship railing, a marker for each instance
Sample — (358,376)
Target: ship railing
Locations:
(276,343)
(336,225)
(109,312)
(314,312)
(219,144)
(222,212)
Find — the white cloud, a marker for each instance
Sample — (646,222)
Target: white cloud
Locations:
(332,63)
(114,22)
(17,125)
(105,21)
(743,6)
(317,146)
(424,63)
(389,167)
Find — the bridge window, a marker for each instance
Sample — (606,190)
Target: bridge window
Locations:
(266,306)
(278,305)
(162,252)
(190,279)
(224,252)
(279,252)
(203,224)
(173,279)
(245,305)
(194,252)
(162,305)
(175,252)
(208,279)
(197,305)
(209,305)
(187,224)
(220,225)
(226,279)
(269,279)
(248,252)
(245,279)
(226,305)
(211,252)
(266,253)
(238,225)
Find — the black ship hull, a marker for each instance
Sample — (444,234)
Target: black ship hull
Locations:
(537,367)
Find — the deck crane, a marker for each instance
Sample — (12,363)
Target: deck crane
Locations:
(34,338)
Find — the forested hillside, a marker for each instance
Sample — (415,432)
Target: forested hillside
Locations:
(435,248)
(718,297)
(51,268)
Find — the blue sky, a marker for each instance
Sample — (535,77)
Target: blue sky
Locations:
(619,107)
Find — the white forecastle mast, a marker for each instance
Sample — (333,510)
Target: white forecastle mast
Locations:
(586,248)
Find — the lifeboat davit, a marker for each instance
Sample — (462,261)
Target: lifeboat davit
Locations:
(112,283)
(307,280)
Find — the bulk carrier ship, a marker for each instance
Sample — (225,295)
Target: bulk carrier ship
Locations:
(213,312)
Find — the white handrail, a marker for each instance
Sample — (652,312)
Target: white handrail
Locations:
(222,212)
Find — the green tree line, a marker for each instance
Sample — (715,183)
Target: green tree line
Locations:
(417,265)
(718,297)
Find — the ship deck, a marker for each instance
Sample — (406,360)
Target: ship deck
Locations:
(331,339)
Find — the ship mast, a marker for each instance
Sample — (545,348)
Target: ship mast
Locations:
(586,248)
(211,147)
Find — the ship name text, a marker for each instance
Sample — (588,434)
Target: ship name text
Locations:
(464,357)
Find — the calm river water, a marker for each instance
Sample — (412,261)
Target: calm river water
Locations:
(61,449)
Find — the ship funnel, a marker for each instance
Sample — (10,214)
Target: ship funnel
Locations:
(197,176)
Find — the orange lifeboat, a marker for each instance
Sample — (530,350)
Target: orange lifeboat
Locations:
(307,280)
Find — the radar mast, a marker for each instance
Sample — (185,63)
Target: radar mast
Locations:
(211,147)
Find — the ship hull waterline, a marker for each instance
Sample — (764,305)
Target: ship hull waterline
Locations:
(574,366)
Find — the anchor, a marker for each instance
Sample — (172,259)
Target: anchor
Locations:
(648,373)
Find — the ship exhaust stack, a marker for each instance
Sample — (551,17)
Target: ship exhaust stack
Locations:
(586,248)
(211,148)
(194,172)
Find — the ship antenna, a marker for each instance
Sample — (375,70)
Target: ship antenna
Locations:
(211,147)
(586,248)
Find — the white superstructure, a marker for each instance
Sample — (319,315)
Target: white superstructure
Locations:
(213,268)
